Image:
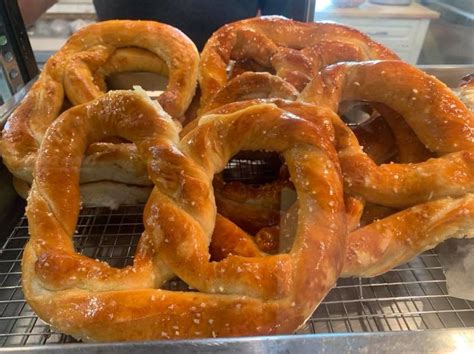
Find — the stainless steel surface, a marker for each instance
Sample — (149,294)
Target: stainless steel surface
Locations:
(436,341)
(451,75)
(411,297)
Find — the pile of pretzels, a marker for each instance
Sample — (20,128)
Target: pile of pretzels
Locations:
(361,195)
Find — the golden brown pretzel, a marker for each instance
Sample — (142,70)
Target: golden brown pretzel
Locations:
(280,43)
(54,277)
(440,121)
(94,44)
(250,85)
(255,207)
(84,85)
(260,295)
(376,248)
(91,47)
(247,123)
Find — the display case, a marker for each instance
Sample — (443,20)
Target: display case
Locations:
(406,309)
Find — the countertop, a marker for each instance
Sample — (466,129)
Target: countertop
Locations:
(368,10)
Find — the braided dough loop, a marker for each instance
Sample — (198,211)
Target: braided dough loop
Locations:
(210,146)
(250,85)
(95,44)
(85,72)
(441,122)
(378,247)
(168,43)
(50,265)
(93,301)
(274,41)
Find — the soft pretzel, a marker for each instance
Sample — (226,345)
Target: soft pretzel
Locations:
(440,121)
(133,44)
(250,85)
(284,45)
(256,207)
(239,296)
(373,249)
(394,240)
(190,219)
(85,72)
(54,277)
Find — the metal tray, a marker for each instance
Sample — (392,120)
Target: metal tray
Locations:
(406,309)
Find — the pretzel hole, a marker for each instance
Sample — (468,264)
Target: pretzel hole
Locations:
(355,113)
(372,130)
(151,82)
(237,67)
(110,236)
(253,167)
(258,183)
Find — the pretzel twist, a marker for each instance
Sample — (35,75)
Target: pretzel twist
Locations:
(79,69)
(375,248)
(255,207)
(296,50)
(381,245)
(440,121)
(239,296)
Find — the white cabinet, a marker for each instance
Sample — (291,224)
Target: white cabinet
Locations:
(400,28)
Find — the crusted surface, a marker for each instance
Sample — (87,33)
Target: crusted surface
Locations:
(237,296)
(76,73)
(295,50)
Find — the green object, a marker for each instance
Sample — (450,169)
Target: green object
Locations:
(3,39)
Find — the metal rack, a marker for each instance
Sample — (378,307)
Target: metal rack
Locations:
(409,298)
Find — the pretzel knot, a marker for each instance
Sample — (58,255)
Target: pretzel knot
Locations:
(238,295)
(437,193)
(439,120)
(76,74)
(294,50)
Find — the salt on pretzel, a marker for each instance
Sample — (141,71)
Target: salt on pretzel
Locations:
(283,44)
(255,207)
(380,246)
(439,119)
(250,85)
(377,247)
(85,72)
(239,296)
(109,42)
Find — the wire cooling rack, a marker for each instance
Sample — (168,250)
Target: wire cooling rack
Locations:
(410,297)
